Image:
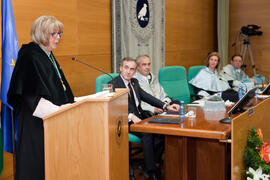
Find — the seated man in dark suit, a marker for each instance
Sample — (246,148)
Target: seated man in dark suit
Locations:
(152,144)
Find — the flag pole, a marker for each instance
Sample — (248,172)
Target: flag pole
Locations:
(13,141)
(9,56)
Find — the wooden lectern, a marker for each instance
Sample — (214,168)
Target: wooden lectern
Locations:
(88,140)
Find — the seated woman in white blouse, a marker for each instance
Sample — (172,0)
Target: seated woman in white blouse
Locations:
(208,82)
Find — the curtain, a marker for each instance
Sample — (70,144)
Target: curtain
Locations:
(223,30)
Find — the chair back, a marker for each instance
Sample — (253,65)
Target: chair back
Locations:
(173,79)
(192,72)
(103,79)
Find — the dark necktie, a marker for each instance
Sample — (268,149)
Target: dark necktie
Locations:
(149,77)
(132,97)
(131,94)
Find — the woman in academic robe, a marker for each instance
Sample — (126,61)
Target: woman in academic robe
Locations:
(208,82)
(38,87)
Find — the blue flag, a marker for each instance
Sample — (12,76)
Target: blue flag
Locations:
(9,56)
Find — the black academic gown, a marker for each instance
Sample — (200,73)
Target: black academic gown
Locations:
(34,76)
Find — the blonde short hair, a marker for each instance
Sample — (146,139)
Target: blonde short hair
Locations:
(42,27)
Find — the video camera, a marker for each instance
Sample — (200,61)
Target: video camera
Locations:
(251,30)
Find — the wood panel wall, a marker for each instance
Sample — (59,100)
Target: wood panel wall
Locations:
(191,31)
(242,13)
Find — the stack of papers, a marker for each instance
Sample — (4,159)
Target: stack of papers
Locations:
(262,96)
(171,114)
(199,103)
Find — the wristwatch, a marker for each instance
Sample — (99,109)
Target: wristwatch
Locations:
(165,106)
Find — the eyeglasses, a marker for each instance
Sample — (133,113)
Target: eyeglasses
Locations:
(54,34)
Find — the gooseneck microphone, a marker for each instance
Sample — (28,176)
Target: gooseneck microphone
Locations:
(228,75)
(77,60)
(240,81)
(229,81)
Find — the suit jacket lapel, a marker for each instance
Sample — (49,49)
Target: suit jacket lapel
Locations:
(120,82)
(135,85)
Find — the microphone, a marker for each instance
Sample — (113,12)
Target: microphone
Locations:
(233,79)
(77,60)
(229,81)
(228,75)
(221,79)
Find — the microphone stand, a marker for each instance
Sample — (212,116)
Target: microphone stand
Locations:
(233,79)
(77,60)
(226,120)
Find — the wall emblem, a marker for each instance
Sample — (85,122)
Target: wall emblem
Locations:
(141,20)
(118,130)
(142,10)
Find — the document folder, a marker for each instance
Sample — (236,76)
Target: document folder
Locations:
(164,121)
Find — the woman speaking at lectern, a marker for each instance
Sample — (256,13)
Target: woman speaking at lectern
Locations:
(38,87)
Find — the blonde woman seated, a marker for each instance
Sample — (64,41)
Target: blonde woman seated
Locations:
(208,82)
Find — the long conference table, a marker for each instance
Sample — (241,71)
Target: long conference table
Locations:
(196,148)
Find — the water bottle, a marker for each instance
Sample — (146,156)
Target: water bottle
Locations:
(256,95)
(182,111)
(240,91)
(257,91)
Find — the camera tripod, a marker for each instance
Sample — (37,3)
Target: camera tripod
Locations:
(246,46)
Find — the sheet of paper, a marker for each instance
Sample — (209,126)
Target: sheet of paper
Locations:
(102,94)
